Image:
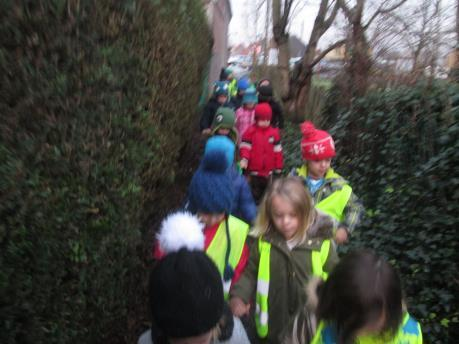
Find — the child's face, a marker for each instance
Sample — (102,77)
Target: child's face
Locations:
(210,220)
(318,168)
(284,217)
(249,106)
(264,123)
(264,83)
(223,131)
(222,99)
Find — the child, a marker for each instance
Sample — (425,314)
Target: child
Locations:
(186,293)
(265,95)
(245,115)
(210,196)
(261,151)
(332,194)
(242,85)
(291,243)
(243,204)
(228,76)
(361,302)
(224,123)
(219,98)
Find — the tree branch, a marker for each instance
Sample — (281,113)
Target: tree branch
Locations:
(346,10)
(326,51)
(331,18)
(380,10)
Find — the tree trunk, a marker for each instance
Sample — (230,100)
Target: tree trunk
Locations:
(360,61)
(455,68)
(283,68)
(358,52)
(281,39)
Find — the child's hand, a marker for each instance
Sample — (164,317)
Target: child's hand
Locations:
(243,164)
(238,307)
(341,235)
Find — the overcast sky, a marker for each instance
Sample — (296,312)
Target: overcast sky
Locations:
(243,28)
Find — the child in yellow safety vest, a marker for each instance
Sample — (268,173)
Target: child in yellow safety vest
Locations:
(291,243)
(361,302)
(332,194)
(210,197)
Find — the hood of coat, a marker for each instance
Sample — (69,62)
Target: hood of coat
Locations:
(322,227)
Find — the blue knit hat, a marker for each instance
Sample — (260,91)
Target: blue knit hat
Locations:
(211,188)
(243,83)
(221,143)
(250,96)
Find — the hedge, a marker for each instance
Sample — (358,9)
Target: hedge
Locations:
(400,150)
(97,101)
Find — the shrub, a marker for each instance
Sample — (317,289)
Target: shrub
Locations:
(97,101)
(400,150)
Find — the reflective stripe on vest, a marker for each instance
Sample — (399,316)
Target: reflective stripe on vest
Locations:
(408,333)
(232,88)
(216,250)
(318,260)
(261,310)
(334,204)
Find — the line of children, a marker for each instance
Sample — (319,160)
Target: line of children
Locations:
(291,240)
(332,194)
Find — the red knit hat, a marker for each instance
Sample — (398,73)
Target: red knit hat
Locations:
(316,144)
(263,112)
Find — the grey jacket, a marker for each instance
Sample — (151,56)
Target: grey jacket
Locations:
(239,336)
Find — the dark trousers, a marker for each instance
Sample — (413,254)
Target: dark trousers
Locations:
(258,186)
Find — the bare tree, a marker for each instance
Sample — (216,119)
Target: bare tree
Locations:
(301,80)
(357,47)
(418,35)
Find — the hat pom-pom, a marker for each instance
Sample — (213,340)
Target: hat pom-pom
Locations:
(181,230)
(215,161)
(307,129)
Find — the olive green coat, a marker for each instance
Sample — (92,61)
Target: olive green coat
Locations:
(290,272)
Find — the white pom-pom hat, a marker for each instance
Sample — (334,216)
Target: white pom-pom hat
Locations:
(181,230)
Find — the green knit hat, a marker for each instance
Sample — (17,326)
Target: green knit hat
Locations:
(225,119)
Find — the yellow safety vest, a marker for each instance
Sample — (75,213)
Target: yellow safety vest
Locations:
(408,333)
(232,88)
(216,250)
(335,203)
(318,260)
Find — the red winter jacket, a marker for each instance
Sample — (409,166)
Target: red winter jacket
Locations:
(262,148)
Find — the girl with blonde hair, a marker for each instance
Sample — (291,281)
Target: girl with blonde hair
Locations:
(291,242)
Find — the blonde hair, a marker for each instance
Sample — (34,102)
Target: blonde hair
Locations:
(293,190)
